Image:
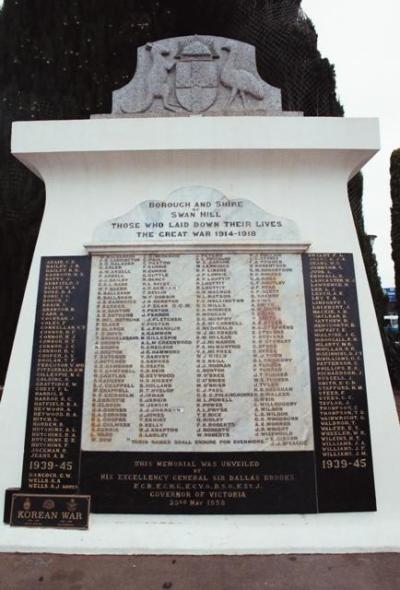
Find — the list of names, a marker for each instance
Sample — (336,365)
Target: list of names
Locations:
(342,408)
(54,419)
(197,352)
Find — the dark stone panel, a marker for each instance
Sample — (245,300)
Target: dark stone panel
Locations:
(345,480)
(200,483)
(52,444)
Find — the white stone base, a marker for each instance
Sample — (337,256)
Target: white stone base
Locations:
(291,167)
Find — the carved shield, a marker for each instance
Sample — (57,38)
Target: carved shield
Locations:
(196,83)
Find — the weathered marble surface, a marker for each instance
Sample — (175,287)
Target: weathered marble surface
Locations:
(197,214)
(195,75)
(197,352)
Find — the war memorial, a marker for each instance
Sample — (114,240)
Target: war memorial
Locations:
(197,367)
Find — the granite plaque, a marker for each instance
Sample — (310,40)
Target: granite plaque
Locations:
(57,511)
(343,457)
(178,369)
(52,446)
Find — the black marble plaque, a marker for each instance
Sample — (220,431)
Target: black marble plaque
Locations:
(52,445)
(200,483)
(343,458)
(55,511)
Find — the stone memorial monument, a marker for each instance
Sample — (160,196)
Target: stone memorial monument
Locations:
(197,366)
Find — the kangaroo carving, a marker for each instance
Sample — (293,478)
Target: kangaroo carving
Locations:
(156,84)
(239,81)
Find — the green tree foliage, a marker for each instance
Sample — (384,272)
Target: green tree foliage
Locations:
(63,58)
(287,54)
(395,211)
(392,347)
(355,190)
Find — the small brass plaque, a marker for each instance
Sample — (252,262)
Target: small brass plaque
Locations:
(52,511)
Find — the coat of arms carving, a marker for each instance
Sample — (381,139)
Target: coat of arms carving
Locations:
(198,74)
(197,77)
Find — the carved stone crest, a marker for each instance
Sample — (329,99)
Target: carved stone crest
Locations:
(196,77)
(198,74)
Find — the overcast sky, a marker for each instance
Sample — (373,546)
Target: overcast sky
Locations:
(361,38)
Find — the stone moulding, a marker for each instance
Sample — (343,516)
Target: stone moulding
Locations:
(193,247)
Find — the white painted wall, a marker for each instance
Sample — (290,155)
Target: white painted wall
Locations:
(292,167)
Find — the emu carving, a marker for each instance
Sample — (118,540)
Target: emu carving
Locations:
(239,81)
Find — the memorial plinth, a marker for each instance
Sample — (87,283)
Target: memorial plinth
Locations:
(157,229)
